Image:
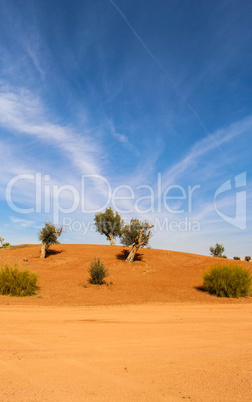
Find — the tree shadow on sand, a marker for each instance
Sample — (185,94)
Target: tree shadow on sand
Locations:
(53,252)
(124,254)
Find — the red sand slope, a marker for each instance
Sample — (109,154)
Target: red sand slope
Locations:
(159,276)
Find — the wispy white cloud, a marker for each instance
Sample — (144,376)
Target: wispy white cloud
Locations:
(22,222)
(23,114)
(120,137)
(204,146)
(33,53)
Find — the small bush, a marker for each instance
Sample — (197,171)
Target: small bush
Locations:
(97,272)
(236,258)
(247,258)
(17,283)
(227,281)
(217,250)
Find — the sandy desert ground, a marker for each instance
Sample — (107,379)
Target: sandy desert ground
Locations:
(152,335)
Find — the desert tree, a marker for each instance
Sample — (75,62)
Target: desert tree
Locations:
(2,242)
(109,224)
(136,234)
(217,250)
(48,235)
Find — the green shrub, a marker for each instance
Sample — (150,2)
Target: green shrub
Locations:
(17,283)
(247,258)
(217,250)
(227,281)
(236,258)
(97,272)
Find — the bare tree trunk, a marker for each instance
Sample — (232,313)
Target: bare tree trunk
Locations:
(138,243)
(111,239)
(132,254)
(44,249)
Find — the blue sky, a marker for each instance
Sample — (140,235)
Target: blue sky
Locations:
(128,104)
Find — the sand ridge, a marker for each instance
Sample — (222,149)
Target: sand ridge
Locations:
(158,276)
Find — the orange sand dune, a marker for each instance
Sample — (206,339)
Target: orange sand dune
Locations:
(158,276)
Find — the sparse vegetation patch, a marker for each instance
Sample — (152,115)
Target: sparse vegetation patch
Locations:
(228,281)
(97,271)
(14,282)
